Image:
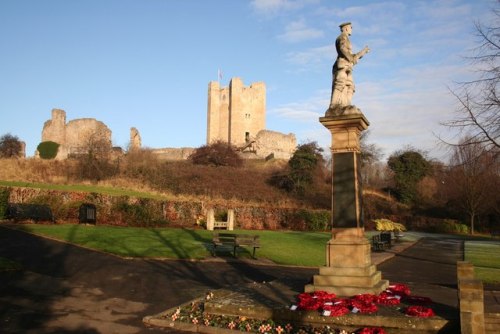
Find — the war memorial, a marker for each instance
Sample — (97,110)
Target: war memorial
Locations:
(341,297)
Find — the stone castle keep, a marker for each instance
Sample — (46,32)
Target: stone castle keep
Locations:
(235,114)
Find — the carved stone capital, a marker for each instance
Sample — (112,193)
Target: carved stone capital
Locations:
(345,130)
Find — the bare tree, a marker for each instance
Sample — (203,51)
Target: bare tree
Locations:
(472,178)
(10,146)
(372,170)
(95,157)
(478,115)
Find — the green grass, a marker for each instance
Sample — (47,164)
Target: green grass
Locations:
(485,255)
(113,191)
(288,248)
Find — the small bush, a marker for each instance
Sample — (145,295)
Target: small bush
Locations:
(4,201)
(145,212)
(451,226)
(218,153)
(47,149)
(314,220)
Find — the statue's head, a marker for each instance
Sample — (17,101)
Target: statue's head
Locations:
(346,27)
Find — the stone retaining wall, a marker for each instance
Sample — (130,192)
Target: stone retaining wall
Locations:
(134,211)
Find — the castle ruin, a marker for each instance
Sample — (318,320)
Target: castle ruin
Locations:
(237,115)
(75,137)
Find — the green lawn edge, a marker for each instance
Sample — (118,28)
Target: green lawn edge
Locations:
(485,256)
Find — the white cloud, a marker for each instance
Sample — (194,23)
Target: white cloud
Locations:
(312,55)
(298,31)
(271,7)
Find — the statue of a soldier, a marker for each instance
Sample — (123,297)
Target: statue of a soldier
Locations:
(342,83)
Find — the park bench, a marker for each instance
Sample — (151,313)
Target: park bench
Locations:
(495,233)
(35,212)
(398,235)
(381,241)
(235,241)
(220,225)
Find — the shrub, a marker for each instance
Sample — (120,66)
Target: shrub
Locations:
(4,201)
(145,212)
(451,226)
(303,169)
(314,220)
(218,153)
(47,149)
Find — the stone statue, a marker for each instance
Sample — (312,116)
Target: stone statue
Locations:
(342,83)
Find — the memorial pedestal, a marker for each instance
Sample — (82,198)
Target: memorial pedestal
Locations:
(348,269)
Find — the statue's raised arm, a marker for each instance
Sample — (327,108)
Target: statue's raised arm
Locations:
(343,83)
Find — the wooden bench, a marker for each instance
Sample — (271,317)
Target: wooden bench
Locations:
(381,241)
(220,225)
(386,237)
(235,241)
(398,235)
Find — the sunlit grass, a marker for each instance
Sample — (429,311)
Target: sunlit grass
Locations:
(282,247)
(485,255)
(113,191)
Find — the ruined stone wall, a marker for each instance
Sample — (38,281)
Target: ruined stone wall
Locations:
(75,136)
(173,153)
(281,146)
(55,128)
(236,112)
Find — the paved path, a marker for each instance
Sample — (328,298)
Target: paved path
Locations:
(67,289)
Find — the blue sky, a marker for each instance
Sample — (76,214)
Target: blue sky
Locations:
(147,64)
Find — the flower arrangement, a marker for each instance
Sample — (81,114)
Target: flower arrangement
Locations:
(328,304)
(388,225)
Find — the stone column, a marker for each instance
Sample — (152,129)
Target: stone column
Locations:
(230,219)
(348,269)
(210,219)
(471,297)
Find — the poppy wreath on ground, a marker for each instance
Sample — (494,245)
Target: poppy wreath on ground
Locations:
(335,310)
(314,301)
(371,330)
(364,303)
(388,299)
(399,289)
(419,311)
(363,307)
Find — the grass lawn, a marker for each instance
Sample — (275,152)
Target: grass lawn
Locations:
(113,191)
(289,248)
(485,255)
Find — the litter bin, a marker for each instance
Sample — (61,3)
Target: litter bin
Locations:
(87,214)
